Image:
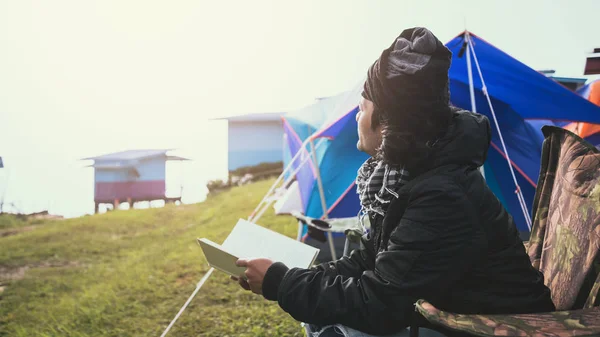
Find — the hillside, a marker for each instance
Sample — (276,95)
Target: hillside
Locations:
(127,273)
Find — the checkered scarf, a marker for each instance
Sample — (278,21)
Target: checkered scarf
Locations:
(377,183)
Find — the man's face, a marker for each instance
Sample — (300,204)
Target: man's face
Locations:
(369,139)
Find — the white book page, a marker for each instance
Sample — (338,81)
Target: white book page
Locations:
(248,240)
(219,258)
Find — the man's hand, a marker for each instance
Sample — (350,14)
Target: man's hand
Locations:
(255,273)
(243,283)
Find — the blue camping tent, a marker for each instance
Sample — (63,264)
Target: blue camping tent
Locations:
(323,138)
(523,101)
(331,127)
(298,127)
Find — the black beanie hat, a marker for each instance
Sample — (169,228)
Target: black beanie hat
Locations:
(414,67)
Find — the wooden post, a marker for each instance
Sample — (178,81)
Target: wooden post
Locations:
(130,203)
(96,207)
(116,204)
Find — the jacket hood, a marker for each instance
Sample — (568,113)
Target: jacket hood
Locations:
(465,143)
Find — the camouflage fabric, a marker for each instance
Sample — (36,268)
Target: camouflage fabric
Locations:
(564,243)
(584,322)
(565,236)
(593,296)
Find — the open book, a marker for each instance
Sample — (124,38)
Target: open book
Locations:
(248,240)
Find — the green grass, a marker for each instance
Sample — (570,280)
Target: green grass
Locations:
(127,273)
(10,222)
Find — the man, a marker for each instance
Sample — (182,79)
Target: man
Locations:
(438,232)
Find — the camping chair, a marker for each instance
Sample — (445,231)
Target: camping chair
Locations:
(564,245)
(317,228)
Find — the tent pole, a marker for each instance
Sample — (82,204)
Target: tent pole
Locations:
(264,204)
(470,73)
(299,235)
(518,191)
(281,176)
(322,196)
(471,85)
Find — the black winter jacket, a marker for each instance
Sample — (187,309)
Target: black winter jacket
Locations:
(446,239)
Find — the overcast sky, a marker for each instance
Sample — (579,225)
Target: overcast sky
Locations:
(81,78)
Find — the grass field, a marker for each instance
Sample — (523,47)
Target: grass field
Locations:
(127,273)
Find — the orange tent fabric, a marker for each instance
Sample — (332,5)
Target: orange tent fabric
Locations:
(584,130)
(595,93)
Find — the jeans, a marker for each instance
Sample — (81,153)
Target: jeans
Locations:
(339,330)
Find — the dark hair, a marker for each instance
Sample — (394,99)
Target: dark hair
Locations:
(409,132)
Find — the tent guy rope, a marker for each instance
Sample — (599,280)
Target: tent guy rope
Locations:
(198,286)
(487,96)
